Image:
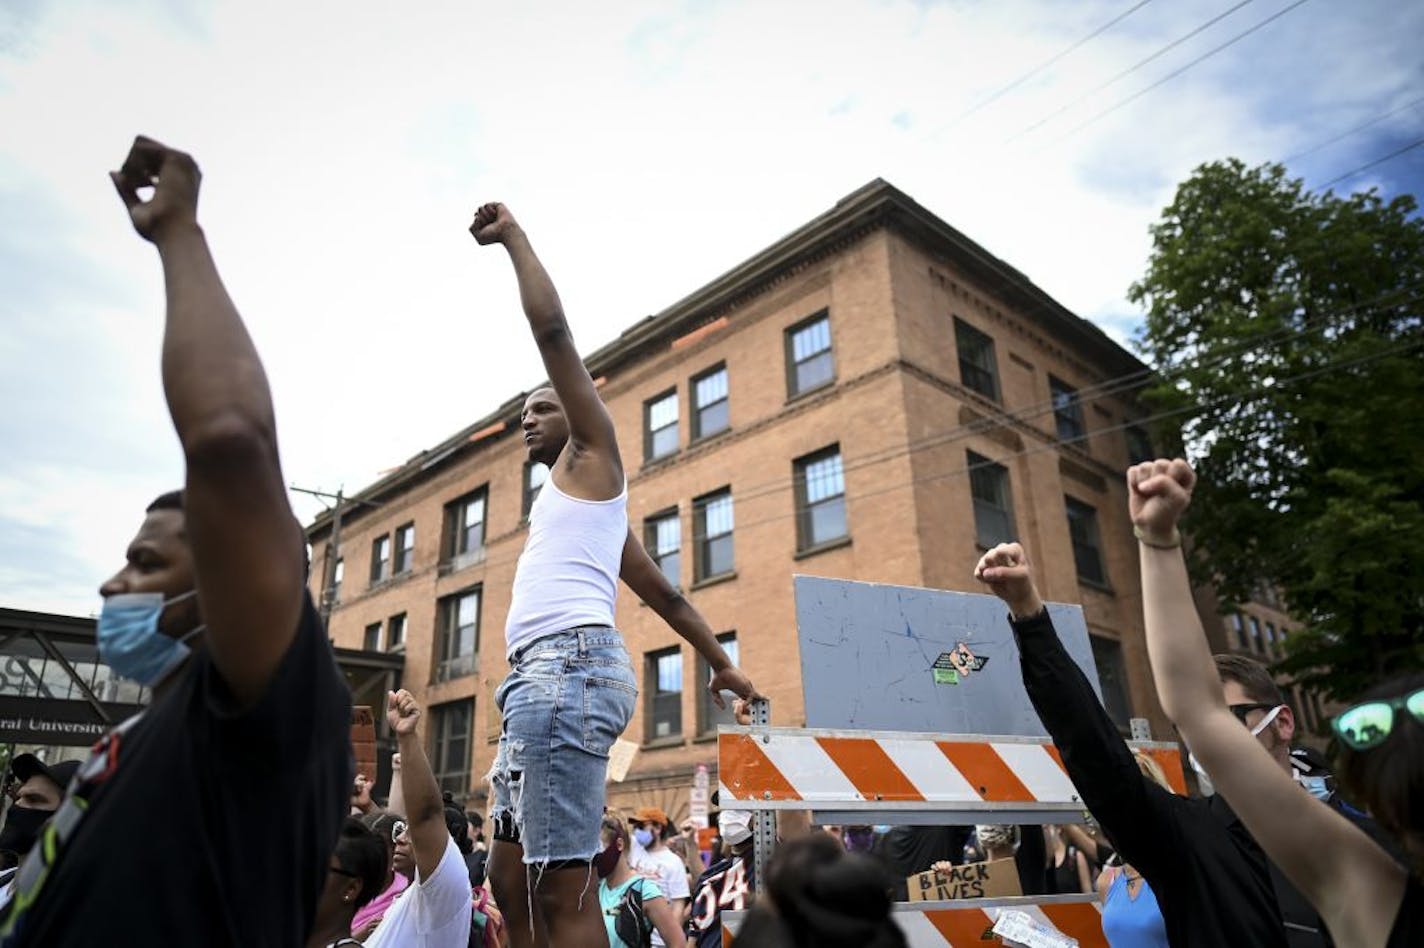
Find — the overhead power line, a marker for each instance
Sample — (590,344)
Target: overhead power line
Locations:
(1046,63)
(1358,128)
(1378,161)
(1128,71)
(1177,72)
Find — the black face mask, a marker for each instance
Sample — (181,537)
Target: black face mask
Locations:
(21,829)
(605,862)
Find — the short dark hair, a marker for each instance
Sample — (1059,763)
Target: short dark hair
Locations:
(172,500)
(1388,780)
(360,851)
(457,824)
(381,823)
(1253,677)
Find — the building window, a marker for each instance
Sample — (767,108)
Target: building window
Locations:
(663,538)
(1067,410)
(395,632)
(1239,624)
(1256,641)
(535,474)
(451,726)
(709,716)
(1087,551)
(664,694)
(1270,638)
(405,548)
(712,522)
(459,635)
(808,355)
(1139,445)
(709,403)
(465,524)
(993,506)
(372,640)
(337,575)
(977,369)
(660,425)
(1107,655)
(381,558)
(820,498)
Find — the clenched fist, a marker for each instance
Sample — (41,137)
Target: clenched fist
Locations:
(1006,571)
(1158,492)
(174,177)
(402,713)
(493,224)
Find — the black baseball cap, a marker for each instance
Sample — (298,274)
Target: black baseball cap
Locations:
(26,766)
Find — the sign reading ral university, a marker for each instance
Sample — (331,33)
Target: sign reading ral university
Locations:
(55,721)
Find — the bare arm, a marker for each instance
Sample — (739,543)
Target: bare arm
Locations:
(1349,879)
(590,427)
(1085,878)
(425,811)
(645,579)
(396,804)
(665,919)
(247,546)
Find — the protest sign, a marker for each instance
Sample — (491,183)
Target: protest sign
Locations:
(996,879)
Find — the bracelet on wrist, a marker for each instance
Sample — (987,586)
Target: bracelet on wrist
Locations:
(1171,543)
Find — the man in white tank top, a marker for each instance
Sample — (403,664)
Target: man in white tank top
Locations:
(571,688)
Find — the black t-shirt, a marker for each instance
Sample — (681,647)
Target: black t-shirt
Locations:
(203,825)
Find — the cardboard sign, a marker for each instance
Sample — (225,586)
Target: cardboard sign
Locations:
(363,741)
(620,759)
(998,879)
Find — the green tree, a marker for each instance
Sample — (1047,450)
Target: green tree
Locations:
(1286,328)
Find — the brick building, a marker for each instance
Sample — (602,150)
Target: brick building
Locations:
(875,396)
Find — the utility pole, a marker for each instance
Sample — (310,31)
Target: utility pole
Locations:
(333,546)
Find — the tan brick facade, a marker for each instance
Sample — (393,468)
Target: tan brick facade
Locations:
(892,280)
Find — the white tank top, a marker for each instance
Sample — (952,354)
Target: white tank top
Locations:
(568,573)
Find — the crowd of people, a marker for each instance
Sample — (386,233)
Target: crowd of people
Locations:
(228,814)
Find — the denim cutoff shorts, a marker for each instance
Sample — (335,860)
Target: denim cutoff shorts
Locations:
(567,698)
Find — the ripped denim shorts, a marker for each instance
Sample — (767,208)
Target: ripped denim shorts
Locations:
(567,698)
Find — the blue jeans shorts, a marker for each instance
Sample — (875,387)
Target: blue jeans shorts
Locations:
(567,698)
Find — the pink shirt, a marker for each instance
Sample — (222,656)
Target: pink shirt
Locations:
(377,906)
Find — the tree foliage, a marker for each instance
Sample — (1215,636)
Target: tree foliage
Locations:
(1286,328)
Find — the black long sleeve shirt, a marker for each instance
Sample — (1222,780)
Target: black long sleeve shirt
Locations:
(1213,884)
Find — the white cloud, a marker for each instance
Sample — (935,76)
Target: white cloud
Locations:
(646,147)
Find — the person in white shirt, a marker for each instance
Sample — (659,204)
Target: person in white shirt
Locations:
(651,858)
(434,912)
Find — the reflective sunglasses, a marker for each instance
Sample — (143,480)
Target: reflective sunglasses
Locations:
(398,829)
(1369,724)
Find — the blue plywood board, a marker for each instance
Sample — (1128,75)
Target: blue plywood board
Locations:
(869,654)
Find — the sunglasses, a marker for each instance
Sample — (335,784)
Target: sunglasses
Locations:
(1242,710)
(398,829)
(1369,725)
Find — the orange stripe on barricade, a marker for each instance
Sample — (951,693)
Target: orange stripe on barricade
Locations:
(962,928)
(747,770)
(1080,920)
(1170,760)
(866,765)
(1057,757)
(982,766)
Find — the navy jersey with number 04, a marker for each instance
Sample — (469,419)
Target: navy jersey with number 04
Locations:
(725,885)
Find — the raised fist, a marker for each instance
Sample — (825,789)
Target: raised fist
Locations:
(402,713)
(174,177)
(1006,571)
(493,223)
(1158,492)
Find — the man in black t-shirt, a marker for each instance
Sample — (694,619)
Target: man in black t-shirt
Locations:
(210,818)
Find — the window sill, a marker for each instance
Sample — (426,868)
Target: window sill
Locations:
(657,743)
(806,393)
(660,460)
(708,737)
(826,547)
(714,580)
(700,440)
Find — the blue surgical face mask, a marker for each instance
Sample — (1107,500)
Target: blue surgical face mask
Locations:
(130,642)
(644,837)
(1206,785)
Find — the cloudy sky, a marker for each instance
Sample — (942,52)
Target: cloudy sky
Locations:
(646,147)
